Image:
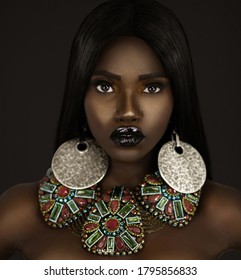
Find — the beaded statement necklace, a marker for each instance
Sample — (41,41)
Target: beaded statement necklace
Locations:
(115,222)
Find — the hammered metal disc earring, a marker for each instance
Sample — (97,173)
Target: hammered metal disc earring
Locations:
(80,163)
(181,166)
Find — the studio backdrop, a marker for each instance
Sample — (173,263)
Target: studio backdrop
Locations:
(36,38)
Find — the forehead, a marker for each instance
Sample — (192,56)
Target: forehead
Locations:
(129,53)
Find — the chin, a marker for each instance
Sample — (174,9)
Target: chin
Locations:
(128,155)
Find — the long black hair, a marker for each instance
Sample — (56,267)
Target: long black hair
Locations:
(162,31)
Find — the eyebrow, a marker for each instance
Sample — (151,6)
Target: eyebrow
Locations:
(152,75)
(107,74)
(141,77)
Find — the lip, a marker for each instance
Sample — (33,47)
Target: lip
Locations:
(127,136)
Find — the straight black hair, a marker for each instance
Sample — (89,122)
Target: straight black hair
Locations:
(162,31)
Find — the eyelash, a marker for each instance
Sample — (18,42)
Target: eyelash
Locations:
(101,83)
(159,85)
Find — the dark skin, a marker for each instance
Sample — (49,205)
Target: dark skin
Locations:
(122,92)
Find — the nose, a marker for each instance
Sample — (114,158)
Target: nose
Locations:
(128,108)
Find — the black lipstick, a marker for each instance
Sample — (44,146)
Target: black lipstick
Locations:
(127,136)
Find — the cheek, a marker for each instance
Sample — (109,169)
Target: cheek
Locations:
(97,113)
(159,114)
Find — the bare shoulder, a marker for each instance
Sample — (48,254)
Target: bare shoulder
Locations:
(19,200)
(225,198)
(18,213)
(222,206)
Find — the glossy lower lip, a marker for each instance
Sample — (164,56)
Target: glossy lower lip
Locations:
(127,136)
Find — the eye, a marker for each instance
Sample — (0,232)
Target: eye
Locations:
(153,88)
(103,86)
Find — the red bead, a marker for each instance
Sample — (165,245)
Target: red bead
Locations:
(112,224)
(120,245)
(171,190)
(169,208)
(152,180)
(63,191)
(102,243)
(135,230)
(65,212)
(188,206)
(154,198)
(106,198)
(47,206)
(80,201)
(90,227)
(114,206)
(126,198)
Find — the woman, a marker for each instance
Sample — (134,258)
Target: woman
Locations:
(130,90)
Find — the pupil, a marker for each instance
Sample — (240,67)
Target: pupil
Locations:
(105,87)
(152,88)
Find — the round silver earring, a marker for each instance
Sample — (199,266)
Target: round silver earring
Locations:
(79,165)
(181,166)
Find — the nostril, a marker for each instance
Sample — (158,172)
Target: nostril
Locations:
(127,118)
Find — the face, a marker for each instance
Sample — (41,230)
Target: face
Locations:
(129,101)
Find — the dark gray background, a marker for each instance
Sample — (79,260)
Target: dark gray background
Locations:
(34,49)
(35,40)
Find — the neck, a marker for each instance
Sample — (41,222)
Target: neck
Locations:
(126,174)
